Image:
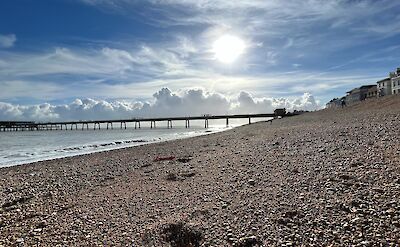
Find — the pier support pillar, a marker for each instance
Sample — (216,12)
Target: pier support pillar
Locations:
(83,126)
(187,123)
(206,123)
(137,124)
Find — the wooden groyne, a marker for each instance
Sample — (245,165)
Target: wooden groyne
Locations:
(122,123)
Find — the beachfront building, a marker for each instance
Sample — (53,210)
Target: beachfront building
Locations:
(384,87)
(395,81)
(336,102)
(358,94)
(372,92)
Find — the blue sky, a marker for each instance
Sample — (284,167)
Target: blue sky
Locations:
(56,51)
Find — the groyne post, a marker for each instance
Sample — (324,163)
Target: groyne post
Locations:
(227,122)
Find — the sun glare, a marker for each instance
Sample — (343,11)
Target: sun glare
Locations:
(228,48)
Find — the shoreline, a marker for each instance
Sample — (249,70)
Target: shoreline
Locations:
(324,178)
(139,142)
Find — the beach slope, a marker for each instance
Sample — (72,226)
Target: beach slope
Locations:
(324,178)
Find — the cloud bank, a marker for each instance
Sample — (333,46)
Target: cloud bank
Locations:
(165,103)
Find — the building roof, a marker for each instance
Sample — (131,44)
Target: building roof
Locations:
(383,80)
(354,89)
(362,87)
(367,86)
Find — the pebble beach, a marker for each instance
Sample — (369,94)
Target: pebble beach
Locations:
(325,178)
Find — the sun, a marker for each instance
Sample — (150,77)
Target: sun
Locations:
(228,48)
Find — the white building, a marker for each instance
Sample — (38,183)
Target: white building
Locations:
(395,81)
(384,87)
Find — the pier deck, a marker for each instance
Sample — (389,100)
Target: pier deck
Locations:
(96,124)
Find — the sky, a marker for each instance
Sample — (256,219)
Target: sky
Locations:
(95,59)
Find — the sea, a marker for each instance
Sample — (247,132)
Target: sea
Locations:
(21,147)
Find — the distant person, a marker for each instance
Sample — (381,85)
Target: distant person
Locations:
(343,103)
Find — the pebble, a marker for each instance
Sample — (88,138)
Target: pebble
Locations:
(251,182)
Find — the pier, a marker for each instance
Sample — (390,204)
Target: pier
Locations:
(122,123)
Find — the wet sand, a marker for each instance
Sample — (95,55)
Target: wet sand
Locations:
(325,178)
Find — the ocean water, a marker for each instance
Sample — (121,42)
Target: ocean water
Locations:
(29,146)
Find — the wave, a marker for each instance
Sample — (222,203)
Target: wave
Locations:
(26,154)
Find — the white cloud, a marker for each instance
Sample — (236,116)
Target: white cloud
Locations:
(191,102)
(105,63)
(7,41)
